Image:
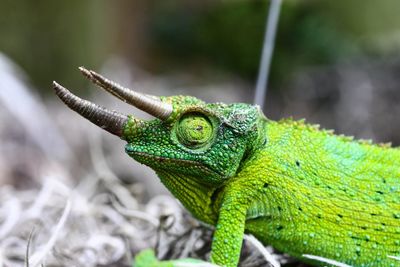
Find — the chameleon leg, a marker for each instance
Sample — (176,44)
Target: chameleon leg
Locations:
(228,236)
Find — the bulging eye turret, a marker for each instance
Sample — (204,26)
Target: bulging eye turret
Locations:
(194,130)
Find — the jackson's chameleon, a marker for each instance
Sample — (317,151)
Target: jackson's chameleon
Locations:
(292,185)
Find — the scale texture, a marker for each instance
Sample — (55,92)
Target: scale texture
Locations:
(298,188)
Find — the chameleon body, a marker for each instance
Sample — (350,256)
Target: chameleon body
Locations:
(296,187)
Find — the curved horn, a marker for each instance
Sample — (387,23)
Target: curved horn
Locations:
(110,121)
(150,104)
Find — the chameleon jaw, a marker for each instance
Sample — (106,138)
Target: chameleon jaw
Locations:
(144,157)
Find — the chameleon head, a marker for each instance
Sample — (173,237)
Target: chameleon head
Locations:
(206,142)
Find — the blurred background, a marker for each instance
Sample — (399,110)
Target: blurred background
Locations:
(336,63)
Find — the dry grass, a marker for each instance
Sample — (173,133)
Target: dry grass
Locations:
(97,223)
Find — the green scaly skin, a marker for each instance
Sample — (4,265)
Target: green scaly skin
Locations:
(293,186)
(146,258)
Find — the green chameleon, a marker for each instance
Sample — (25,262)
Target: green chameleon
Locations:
(298,188)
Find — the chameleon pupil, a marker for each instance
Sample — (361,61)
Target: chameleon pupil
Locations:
(194,130)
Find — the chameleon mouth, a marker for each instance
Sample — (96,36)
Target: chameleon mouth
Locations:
(151,159)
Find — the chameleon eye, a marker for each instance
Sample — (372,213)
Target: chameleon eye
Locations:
(194,130)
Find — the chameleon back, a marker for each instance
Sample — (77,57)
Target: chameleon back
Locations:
(327,195)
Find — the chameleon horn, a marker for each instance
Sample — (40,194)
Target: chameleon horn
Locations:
(150,104)
(110,121)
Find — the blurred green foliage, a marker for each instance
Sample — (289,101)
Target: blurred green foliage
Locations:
(49,39)
(229,34)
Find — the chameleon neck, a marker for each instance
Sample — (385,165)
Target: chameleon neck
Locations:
(196,197)
(326,195)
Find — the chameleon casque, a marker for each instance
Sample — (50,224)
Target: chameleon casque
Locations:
(301,189)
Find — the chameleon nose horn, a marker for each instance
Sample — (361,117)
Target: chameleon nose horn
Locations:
(110,121)
(149,104)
